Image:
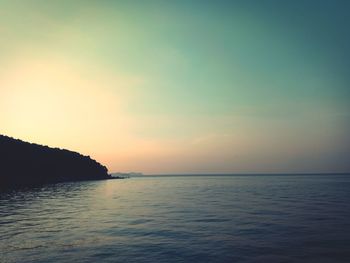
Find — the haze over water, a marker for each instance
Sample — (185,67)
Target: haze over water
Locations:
(180,219)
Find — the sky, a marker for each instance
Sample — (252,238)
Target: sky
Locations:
(181,86)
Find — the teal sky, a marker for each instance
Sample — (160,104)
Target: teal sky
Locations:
(181,86)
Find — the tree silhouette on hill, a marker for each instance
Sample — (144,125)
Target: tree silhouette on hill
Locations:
(23,163)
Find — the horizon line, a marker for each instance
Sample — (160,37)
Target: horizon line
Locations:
(229,174)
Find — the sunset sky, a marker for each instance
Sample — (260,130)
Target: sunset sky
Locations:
(181,86)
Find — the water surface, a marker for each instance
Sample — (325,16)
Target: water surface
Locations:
(180,219)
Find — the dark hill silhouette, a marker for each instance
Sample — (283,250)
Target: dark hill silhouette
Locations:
(23,163)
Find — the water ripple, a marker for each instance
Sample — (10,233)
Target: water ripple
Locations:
(179,219)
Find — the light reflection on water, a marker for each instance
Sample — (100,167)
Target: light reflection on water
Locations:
(180,219)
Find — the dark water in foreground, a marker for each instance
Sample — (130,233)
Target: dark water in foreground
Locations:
(180,219)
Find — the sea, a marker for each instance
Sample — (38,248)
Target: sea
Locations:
(216,218)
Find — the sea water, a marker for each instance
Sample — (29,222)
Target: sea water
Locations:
(277,218)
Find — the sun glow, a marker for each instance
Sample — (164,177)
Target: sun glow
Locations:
(52,102)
